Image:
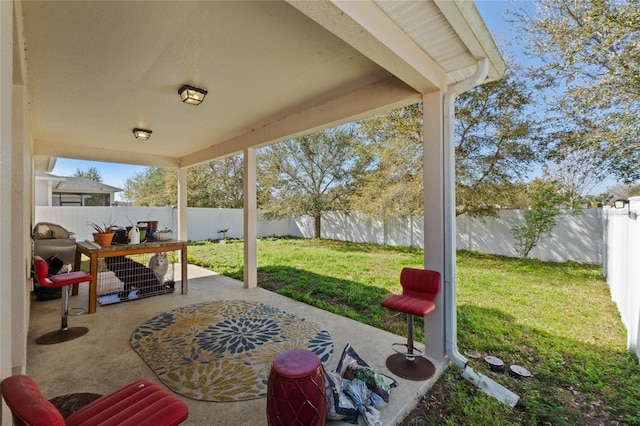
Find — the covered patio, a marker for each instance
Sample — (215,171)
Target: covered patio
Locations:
(77,77)
(103,359)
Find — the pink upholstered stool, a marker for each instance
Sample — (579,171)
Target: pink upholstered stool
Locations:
(295,391)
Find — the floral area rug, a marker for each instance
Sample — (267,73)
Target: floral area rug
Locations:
(223,350)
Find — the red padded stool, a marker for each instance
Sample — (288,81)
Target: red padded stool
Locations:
(419,290)
(65,333)
(295,391)
(138,403)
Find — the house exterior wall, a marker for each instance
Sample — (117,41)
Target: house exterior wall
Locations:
(42,192)
(6,165)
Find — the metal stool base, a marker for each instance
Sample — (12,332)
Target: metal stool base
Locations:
(419,368)
(61,335)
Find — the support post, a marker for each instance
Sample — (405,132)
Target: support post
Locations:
(434,246)
(182,204)
(250,220)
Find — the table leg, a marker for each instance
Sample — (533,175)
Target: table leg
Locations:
(93,286)
(76,267)
(183,264)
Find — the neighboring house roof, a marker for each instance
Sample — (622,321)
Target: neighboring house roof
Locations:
(48,176)
(75,184)
(80,184)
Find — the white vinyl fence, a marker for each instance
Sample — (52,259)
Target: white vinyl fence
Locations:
(577,237)
(622,267)
(203,223)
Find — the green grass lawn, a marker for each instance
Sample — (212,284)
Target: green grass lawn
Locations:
(557,320)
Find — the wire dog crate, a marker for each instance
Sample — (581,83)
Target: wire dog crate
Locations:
(130,277)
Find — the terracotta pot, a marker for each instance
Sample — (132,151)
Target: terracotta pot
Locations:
(103,239)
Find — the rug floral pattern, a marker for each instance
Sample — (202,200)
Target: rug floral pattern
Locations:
(223,350)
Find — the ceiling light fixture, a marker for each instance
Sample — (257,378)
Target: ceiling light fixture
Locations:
(141,133)
(192,95)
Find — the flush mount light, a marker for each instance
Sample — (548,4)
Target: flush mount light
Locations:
(141,133)
(192,95)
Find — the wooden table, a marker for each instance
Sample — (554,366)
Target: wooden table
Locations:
(95,252)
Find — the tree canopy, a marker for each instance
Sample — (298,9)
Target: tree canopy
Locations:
(393,185)
(495,147)
(214,184)
(588,68)
(91,173)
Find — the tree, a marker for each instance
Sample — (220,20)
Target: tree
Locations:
(214,184)
(311,174)
(624,191)
(540,220)
(217,183)
(495,145)
(493,152)
(576,171)
(588,55)
(155,186)
(393,185)
(91,173)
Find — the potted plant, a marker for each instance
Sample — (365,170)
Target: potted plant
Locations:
(104,233)
(224,235)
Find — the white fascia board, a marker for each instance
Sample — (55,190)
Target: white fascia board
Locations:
(366,28)
(465,19)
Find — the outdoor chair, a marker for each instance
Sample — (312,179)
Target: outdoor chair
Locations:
(65,333)
(138,403)
(419,290)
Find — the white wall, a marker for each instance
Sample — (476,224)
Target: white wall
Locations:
(41,192)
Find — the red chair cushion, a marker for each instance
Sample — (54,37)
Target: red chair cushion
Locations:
(75,277)
(139,403)
(42,270)
(28,405)
(419,290)
(409,305)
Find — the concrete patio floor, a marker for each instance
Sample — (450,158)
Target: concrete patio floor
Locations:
(103,360)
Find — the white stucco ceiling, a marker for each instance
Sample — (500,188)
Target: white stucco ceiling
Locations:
(93,70)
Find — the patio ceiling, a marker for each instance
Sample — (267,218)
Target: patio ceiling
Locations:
(94,70)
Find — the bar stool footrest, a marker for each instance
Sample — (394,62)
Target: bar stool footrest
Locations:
(410,353)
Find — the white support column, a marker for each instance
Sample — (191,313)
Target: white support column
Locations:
(250,220)
(182,204)
(21,225)
(434,245)
(6,257)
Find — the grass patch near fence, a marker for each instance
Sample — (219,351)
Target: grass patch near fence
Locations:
(557,320)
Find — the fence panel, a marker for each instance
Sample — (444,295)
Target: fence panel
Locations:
(621,266)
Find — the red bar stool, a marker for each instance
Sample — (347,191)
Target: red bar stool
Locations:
(65,333)
(295,391)
(419,290)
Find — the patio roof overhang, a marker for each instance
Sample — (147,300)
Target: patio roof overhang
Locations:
(274,70)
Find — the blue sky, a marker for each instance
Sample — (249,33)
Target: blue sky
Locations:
(492,11)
